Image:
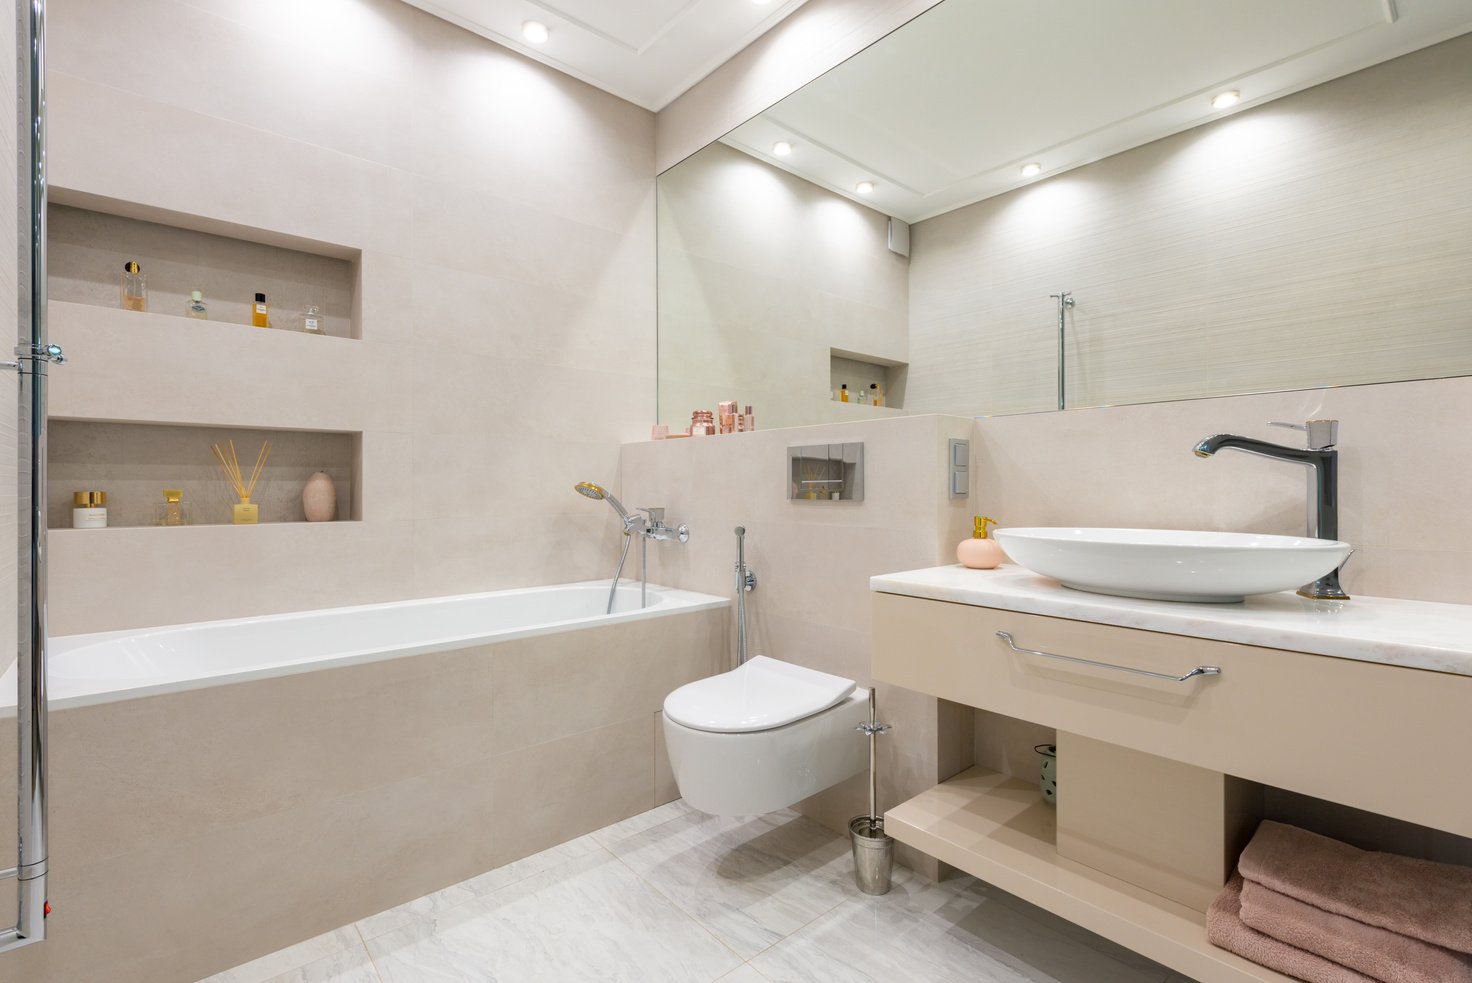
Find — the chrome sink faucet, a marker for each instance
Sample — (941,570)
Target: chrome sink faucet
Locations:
(1323,505)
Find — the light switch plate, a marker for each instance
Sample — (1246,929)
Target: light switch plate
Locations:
(960,467)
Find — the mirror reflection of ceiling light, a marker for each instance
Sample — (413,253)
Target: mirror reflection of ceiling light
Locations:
(1223,100)
(781,148)
(535,31)
(865,187)
(1032,169)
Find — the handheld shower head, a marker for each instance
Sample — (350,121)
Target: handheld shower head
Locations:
(600,494)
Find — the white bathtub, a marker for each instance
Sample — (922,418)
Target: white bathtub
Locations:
(121,665)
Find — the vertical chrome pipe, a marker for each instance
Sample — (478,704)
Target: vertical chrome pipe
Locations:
(874,733)
(1065,304)
(742,586)
(33,357)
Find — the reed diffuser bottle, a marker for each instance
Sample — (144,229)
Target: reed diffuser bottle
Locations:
(246,512)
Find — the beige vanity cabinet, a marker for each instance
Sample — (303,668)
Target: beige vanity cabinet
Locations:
(1160,778)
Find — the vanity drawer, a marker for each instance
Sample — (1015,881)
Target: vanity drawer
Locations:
(1383,738)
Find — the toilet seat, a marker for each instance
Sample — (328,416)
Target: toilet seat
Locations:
(761,695)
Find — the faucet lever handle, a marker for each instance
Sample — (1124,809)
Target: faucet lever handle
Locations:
(656,515)
(1322,434)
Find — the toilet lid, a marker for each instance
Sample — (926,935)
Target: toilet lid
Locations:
(760,695)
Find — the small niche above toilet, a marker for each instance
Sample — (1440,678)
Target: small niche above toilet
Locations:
(826,472)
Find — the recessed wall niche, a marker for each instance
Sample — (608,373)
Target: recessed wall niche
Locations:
(87,250)
(135,462)
(859,371)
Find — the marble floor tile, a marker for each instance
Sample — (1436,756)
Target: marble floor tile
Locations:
(676,895)
(618,832)
(751,881)
(478,886)
(956,931)
(590,918)
(349,966)
(281,964)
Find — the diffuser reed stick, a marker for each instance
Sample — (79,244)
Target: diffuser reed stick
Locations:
(246,513)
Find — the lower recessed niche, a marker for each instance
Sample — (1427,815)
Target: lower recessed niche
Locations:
(135,462)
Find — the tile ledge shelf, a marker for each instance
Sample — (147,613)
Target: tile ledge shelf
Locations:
(62,314)
(69,531)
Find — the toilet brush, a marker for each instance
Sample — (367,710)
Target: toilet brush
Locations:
(873,851)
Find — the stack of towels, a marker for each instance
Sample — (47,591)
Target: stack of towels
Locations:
(1327,912)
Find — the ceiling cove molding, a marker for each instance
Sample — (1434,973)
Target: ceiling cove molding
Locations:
(629,53)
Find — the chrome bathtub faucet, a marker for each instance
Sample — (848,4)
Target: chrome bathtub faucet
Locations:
(1323,504)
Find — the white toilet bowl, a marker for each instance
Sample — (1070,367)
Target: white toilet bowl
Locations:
(764,736)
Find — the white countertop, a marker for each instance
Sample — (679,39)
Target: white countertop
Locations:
(1417,634)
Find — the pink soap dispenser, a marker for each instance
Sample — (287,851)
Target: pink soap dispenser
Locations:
(980,552)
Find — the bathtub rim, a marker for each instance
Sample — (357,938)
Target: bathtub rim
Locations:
(677,601)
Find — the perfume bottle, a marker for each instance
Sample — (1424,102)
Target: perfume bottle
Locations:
(260,313)
(196,307)
(173,510)
(876,395)
(134,290)
(310,320)
(89,510)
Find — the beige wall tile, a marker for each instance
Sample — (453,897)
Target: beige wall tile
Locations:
(552,792)
(1398,485)
(665,788)
(503,214)
(554,686)
(288,875)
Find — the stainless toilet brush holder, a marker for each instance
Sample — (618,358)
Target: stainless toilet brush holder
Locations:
(873,854)
(873,850)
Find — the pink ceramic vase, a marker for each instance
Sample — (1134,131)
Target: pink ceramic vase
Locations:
(319,498)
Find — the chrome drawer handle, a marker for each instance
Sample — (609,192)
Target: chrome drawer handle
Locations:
(1198,671)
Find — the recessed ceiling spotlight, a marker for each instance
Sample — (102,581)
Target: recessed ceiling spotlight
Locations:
(536,32)
(1032,169)
(781,148)
(865,187)
(1223,100)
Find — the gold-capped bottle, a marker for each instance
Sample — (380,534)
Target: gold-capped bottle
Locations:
(133,289)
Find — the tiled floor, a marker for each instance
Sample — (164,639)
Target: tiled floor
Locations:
(675,895)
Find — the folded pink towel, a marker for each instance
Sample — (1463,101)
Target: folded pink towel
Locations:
(1373,951)
(1418,898)
(1224,928)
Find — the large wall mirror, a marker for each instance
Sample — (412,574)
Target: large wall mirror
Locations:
(1228,201)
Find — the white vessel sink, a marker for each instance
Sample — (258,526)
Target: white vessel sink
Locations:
(1172,565)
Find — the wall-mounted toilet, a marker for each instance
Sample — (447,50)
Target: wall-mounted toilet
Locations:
(764,736)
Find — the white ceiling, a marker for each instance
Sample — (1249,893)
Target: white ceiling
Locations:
(944,111)
(645,51)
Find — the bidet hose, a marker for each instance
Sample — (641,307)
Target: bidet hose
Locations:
(613,587)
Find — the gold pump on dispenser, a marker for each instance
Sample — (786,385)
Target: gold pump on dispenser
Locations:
(980,552)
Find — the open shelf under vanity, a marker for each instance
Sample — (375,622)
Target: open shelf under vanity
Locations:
(999,829)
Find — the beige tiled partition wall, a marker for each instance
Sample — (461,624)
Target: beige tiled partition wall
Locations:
(1403,479)
(502,219)
(813,561)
